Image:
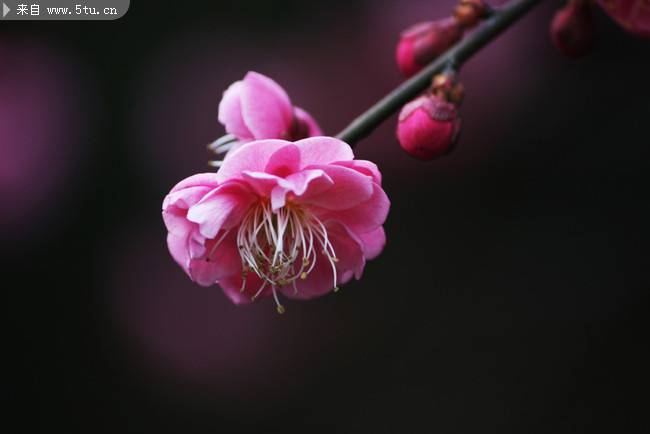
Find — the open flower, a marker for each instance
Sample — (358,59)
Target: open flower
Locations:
(279,217)
(258,108)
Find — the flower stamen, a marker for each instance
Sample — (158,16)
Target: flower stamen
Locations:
(222,146)
(279,306)
(280,246)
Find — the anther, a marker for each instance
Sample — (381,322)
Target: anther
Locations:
(279,307)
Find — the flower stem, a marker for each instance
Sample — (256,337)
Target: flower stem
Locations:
(499,20)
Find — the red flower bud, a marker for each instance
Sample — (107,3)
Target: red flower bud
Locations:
(632,15)
(428,127)
(572,28)
(423,42)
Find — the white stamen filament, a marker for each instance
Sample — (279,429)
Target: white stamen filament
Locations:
(222,146)
(271,242)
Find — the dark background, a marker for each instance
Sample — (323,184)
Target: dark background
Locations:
(512,295)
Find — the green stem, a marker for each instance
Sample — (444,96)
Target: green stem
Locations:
(497,22)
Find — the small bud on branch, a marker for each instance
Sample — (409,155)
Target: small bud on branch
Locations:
(428,127)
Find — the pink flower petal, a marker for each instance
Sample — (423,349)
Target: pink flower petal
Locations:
(373,242)
(186,245)
(195,243)
(186,197)
(208,179)
(363,166)
(177,245)
(185,194)
(349,250)
(284,161)
(316,181)
(364,217)
(232,285)
(251,157)
(222,208)
(260,182)
(266,107)
(321,280)
(230,112)
(349,189)
(223,262)
(305,118)
(323,150)
(175,219)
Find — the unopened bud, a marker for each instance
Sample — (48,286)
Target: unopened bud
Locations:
(469,12)
(572,28)
(428,127)
(423,42)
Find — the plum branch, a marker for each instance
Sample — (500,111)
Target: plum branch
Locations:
(498,21)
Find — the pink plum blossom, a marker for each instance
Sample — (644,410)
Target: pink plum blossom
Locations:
(258,108)
(296,218)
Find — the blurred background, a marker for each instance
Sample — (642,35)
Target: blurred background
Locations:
(511,297)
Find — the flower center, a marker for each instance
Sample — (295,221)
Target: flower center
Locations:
(282,246)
